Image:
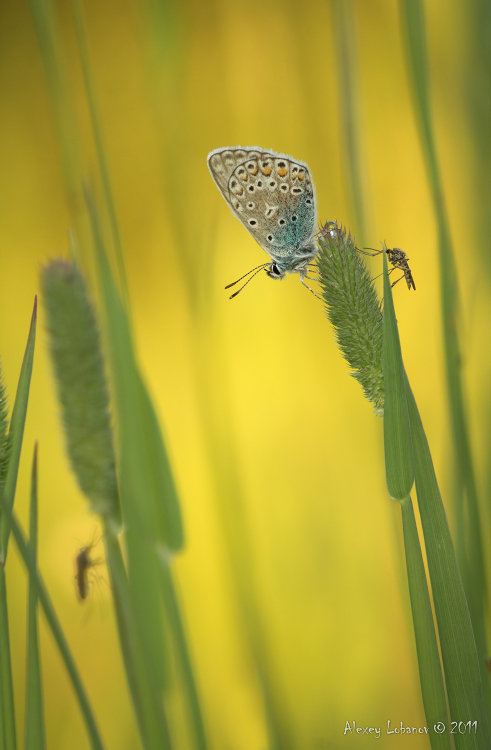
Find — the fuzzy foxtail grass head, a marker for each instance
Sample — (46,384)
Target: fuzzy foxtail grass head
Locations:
(353,308)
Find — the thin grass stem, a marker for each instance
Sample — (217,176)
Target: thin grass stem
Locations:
(6,684)
(34,734)
(55,627)
(470,546)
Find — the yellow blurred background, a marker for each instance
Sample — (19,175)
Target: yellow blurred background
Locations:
(277,456)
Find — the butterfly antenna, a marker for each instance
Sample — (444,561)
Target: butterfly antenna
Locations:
(257,268)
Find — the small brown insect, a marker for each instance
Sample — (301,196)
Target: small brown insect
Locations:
(83,563)
(399,260)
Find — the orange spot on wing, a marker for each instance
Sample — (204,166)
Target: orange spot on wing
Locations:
(254,171)
(266,171)
(283,171)
(301,175)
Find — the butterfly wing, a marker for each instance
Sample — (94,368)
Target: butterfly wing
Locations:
(271,194)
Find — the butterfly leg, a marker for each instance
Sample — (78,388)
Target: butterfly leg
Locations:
(307,286)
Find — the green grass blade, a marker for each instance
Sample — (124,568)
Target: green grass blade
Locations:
(349,106)
(16,432)
(169,513)
(179,640)
(54,625)
(459,655)
(397,437)
(7,495)
(83,46)
(141,505)
(2,724)
(35,735)
(469,545)
(430,670)
(47,31)
(6,685)
(146,699)
(138,421)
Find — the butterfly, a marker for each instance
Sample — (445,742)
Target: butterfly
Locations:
(274,197)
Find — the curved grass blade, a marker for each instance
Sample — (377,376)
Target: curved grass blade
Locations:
(459,655)
(83,48)
(469,538)
(54,625)
(7,495)
(16,432)
(349,100)
(430,670)
(145,511)
(6,685)
(35,735)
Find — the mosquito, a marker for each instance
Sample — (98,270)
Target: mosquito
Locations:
(399,260)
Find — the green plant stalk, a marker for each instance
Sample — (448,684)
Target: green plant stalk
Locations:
(349,105)
(7,495)
(176,627)
(146,699)
(2,735)
(55,627)
(83,46)
(16,433)
(473,563)
(458,648)
(397,437)
(7,691)
(47,32)
(400,476)
(140,499)
(430,671)
(34,734)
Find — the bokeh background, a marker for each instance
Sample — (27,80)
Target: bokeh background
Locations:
(291,535)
